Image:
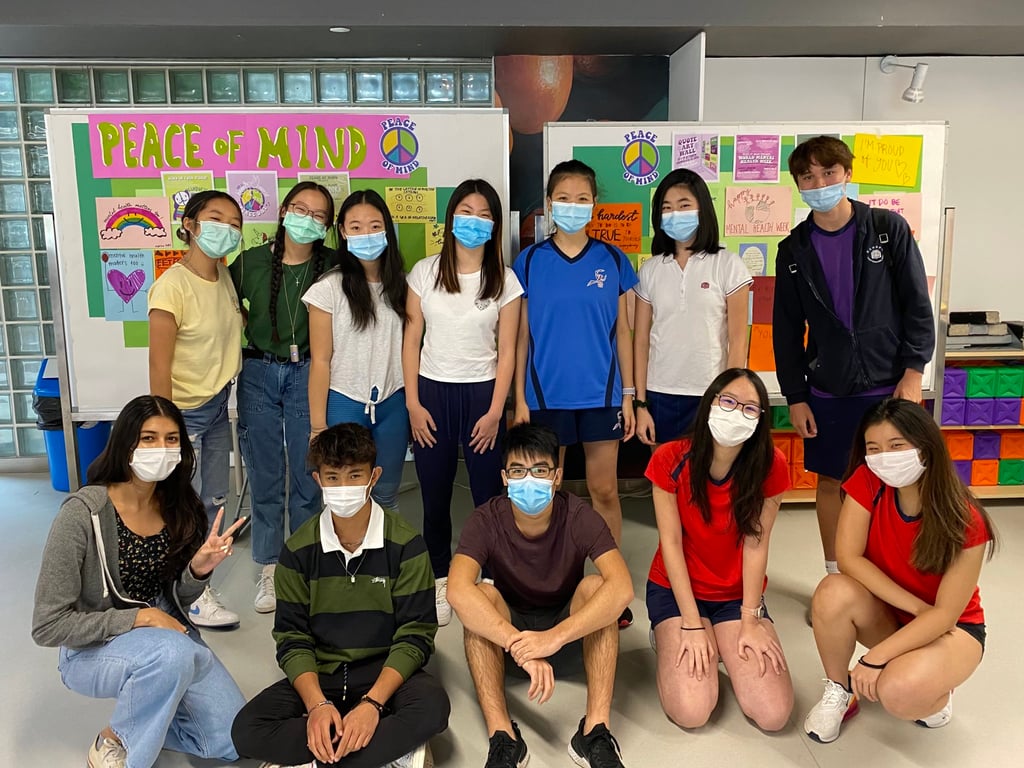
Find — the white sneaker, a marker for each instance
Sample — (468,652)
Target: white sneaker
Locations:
(208,611)
(418,758)
(837,705)
(107,753)
(310,764)
(444,610)
(940,718)
(266,595)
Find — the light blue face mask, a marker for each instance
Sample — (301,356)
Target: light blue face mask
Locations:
(824,199)
(472,231)
(571,217)
(303,229)
(680,225)
(217,239)
(531,495)
(367,247)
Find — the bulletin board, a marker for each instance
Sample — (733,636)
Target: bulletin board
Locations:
(898,166)
(121,180)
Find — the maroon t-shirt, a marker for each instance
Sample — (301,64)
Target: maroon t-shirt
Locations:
(542,572)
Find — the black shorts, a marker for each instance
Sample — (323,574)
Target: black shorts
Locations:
(661,605)
(567,660)
(672,414)
(837,419)
(977,631)
(584,425)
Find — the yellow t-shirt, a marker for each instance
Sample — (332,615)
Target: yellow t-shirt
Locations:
(208,348)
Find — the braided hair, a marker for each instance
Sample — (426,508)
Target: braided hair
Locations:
(277,249)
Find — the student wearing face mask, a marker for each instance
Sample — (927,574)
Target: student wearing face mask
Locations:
(691,320)
(456,383)
(354,627)
(717,492)
(912,539)
(851,279)
(195,324)
(535,543)
(273,386)
(126,556)
(356,321)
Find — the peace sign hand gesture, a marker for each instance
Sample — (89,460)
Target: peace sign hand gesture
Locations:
(216,548)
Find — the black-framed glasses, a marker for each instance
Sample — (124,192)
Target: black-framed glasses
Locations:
(539,471)
(301,210)
(749,410)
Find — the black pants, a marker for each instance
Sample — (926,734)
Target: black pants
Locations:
(272,727)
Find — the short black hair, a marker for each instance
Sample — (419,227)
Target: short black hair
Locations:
(528,439)
(342,445)
(568,168)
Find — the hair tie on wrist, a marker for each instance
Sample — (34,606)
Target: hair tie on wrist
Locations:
(693,629)
(869,665)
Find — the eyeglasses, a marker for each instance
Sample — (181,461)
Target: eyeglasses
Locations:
(301,210)
(749,410)
(540,471)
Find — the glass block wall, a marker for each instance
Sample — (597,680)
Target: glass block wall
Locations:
(28,90)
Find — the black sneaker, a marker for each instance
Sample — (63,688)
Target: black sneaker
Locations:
(598,749)
(506,752)
(626,619)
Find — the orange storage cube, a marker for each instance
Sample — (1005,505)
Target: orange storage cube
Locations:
(798,450)
(784,443)
(1022,410)
(802,479)
(960,444)
(1012,445)
(985,472)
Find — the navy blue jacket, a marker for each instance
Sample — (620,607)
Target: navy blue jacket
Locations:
(893,324)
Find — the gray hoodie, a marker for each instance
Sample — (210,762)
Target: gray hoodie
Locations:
(79,598)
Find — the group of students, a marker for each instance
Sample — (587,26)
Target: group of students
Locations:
(378,357)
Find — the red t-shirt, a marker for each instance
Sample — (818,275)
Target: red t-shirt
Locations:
(890,544)
(713,550)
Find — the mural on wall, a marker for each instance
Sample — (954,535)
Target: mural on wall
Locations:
(540,89)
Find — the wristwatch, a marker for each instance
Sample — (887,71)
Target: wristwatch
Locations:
(639,403)
(757,613)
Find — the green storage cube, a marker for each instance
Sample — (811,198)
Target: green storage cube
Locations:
(1010,381)
(780,417)
(1011,472)
(981,382)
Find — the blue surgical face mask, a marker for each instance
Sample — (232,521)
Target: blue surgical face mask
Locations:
(680,225)
(367,247)
(303,229)
(472,231)
(824,199)
(531,495)
(217,239)
(571,217)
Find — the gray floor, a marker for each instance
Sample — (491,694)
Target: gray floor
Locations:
(41,723)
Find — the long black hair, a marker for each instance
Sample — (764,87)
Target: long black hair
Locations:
(492,284)
(180,507)
(707,237)
(752,465)
(277,250)
(392,268)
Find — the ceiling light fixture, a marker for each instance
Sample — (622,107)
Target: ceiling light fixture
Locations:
(915,92)
(339,29)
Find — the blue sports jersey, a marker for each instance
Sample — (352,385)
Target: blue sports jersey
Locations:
(573,305)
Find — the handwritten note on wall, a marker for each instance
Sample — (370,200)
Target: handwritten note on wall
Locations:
(620,224)
(890,160)
(762,211)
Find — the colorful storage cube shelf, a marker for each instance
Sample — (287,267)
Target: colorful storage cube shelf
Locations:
(981,382)
(985,472)
(986,445)
(1011,472)
(1010,381)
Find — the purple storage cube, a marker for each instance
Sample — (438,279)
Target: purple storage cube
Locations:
(986,445)
(1006,411)
(963,468)
(979,412)
(953,410)
(954,382)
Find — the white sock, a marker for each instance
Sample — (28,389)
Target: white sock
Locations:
(831,566)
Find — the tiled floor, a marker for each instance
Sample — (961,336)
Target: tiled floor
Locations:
(43,724)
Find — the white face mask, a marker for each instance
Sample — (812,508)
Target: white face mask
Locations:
(152,465)
(730,428)
(345,500)
(897,469)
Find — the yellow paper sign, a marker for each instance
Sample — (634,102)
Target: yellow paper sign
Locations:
(435,237)
(409,204)
(890,160)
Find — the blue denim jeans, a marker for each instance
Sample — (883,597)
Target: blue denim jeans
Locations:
(273,418)
(172,693)
(390,430)
(210,433)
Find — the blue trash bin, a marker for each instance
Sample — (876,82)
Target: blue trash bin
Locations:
(92,436)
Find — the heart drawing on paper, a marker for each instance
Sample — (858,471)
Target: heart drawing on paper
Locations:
(126,286)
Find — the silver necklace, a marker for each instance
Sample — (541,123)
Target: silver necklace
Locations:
(351,574)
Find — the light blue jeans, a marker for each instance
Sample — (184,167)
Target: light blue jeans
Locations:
(171,691)
(210,433)
(273,416)
(390,430)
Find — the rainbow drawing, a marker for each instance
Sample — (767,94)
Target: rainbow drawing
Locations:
(132,222)
(134,216)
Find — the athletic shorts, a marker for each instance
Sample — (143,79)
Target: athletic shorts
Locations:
(584,425)
(837,419)
(661,605)
(672,414)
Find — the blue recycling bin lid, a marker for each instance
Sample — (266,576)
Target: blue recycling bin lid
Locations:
(48,382)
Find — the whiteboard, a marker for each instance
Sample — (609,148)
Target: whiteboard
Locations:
(105,155)
(631,158)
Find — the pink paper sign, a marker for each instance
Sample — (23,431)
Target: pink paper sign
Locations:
(764,211)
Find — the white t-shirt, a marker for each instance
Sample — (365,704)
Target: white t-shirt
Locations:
(689,332)
(362,359)
(461,339)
